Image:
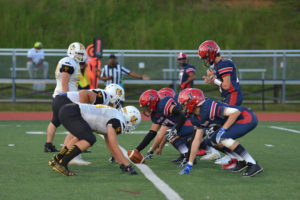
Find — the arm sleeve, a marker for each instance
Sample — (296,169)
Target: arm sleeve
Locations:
(125,70)
(177,110)
(116,124)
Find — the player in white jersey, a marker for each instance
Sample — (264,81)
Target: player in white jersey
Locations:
(82,119)
(67,72)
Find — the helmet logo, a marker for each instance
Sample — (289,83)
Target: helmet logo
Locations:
(133,119)
(72,47)
(191,97)
(118,129)
(119,92)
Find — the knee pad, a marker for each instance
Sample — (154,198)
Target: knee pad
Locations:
(227,142)
(91,138)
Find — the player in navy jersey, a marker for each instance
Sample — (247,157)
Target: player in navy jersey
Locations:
(186,73)
(164,115)
(236,122)
(224,74)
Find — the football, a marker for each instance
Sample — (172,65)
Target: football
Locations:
(135,156)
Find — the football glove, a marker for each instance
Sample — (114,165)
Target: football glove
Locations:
(221,132)
(149,155)
(128,169)
(186,169)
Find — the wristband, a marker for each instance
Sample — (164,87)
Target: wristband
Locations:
(217,82)
(190,163)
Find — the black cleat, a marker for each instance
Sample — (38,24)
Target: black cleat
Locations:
(252,170)
(179,159)
(240,166)
(49,147)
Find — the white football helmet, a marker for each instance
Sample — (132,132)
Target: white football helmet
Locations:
(116,94)
(132,118)
(76,51)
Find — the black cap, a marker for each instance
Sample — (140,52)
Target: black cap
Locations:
(112,56)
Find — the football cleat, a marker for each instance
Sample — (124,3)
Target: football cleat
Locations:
(79,161)
(52,161)
(252,170)
(63,170)
(201,152)
(179,159)
(230,165)
(211,155)
(49,147)
(240,166)
(221,161)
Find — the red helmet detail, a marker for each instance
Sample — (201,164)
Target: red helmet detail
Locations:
(166,92)
(209,50)
(190,98)
(181,55)
(149,100)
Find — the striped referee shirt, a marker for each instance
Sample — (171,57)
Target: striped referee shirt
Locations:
(115,72)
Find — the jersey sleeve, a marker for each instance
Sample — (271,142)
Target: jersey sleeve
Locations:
(66,66)
(116,124)
(155,118)
(216,110)
(190,69)
(165,106)
(125,70)
(226,68)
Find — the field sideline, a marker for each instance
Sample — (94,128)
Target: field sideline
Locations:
(25,174)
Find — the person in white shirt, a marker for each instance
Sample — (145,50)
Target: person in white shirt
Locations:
(36,61)
(66,73)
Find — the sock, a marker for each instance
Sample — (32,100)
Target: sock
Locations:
(239,158)
(229,153)
(180,145)
(241,151)
(147,139)
(69,155)
(62,152)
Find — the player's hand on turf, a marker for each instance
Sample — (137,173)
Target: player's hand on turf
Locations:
(128,169)
(159,151)
(149,155)
(186,169)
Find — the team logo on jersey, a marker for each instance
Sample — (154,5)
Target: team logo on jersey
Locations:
(118,129)
(119,92)
(133,119)
(99,94)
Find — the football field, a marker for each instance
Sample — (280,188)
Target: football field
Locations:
(25,174)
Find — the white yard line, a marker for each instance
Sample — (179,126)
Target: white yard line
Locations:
(284,129)
(44,133)
(164,188)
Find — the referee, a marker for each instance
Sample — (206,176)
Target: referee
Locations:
(112,73)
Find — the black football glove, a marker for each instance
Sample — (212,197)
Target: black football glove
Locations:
(149,155)
(128,169)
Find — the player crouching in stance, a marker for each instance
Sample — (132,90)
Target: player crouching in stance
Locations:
(82,119)
(238,121)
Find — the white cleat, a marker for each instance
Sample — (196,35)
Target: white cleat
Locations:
(211,155)
(224,160)
(79,161)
